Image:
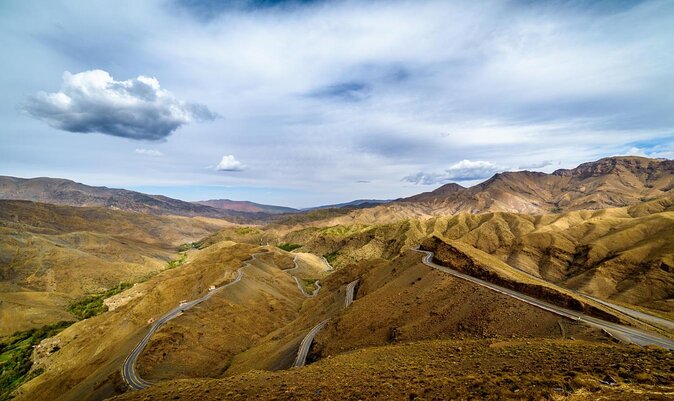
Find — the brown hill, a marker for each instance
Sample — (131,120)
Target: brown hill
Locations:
(246,206)
(69,193)
(50,255)
(621,254)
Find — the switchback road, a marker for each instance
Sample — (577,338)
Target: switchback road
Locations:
(131,377)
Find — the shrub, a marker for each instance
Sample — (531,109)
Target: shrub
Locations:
(288,247)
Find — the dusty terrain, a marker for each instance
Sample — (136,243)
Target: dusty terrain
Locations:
(203,341)
(51,255)
(450,369)
(620,254)
(87,366)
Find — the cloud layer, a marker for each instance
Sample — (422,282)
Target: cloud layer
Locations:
(329,101)
(92,101)
(465,170)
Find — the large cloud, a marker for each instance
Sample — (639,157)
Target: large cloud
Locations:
(92,101)
(465,170)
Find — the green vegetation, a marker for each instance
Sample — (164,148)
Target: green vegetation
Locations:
(187,246)
(330,257)
(309,285)
(345,230)
(15,356)
(93,305)
(288,247)
(173,263)
(247,230)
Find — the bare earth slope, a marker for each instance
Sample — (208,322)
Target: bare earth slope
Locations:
(50,255)
(622,254)
(245,206)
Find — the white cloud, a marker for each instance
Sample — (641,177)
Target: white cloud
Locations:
(465,170)
(149,152)
(229,163)
(92,101)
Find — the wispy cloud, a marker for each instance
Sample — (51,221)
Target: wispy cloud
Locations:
(149,152)
(316,95)
(465,170)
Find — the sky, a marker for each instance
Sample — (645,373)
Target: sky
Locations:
(303,103)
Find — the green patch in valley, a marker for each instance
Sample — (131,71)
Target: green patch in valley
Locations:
(173,263)
(16,356)
(288,247)
(93,305)
(330,257)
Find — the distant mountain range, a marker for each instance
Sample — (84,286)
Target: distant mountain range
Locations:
(359,203)
(246,206)
(609,182)
(70,193)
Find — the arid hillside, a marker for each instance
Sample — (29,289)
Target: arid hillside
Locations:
(51,255)
(622,254)
(245,206)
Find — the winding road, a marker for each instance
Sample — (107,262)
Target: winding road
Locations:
(129,374)
(305,345)
(625,333)
(350,293)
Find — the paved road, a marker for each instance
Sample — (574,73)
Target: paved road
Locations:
(619,331)
(634,313)
(299,284)
(644,317)
(350,293)
(305,345)
(131,377)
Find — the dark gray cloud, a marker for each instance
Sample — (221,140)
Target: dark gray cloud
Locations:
(465,170)
(346,91)
(92,101)
(209,9)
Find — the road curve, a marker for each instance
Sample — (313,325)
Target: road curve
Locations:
(644,317)
(622,332)
(299,284)
(129,374)
(350,293)
(305,345)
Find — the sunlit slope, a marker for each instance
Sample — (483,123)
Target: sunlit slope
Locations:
(51,254)
(623,254)
(87,365)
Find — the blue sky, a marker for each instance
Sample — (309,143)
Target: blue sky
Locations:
(302,103)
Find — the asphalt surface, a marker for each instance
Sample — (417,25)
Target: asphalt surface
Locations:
(624,333)
(305,345)
(299,284)
(129,374)
(350,293)
(644,317)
